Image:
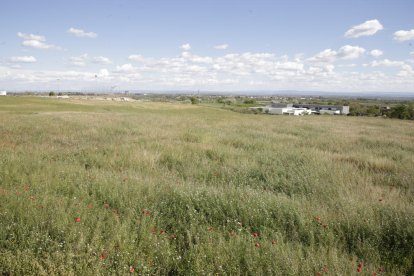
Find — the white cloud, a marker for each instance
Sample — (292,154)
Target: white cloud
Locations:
(412,53)
(137,58)
(23,59)
(326,56)
(404,35)
(79,60)
(385,63)
(221,46)
(36,41)
(406,71)
(104,73)
(330,56)
(367,28)
(125,68)
(350,52)
(84,59)
(376,53)
(39,45)
(31,36)
(81,33)
(101,60)
(185,47)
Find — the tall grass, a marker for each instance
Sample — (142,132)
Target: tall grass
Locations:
(107,188)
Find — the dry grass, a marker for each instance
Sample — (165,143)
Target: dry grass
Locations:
(181,189)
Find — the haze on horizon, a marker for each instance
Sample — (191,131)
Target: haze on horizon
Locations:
(352,46)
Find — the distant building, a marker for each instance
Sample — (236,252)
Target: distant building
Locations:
(303,109)
(3,93)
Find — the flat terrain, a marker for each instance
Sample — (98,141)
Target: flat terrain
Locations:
(94,187)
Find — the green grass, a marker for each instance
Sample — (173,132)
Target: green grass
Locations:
(181,189)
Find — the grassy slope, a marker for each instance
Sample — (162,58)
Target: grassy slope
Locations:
(181,189)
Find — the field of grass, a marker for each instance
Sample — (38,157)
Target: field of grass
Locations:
(97,188)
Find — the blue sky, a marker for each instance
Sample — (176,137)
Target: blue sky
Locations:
(207,45)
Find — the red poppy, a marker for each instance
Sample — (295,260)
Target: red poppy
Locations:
(103,256)
(257,244)
(131,269)
(274,242)
(255,235)
(77,219)
(318,273)
(360,265)
(374,274)
(359,269)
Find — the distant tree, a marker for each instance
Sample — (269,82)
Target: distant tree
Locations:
(402,111)
(249,101)
(51,93)
(193,100)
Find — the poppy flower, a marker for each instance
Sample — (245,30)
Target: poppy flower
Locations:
(77,219)
(274,242)
(131,269)
(360,265)
(257,244)
(359,269)
(374,274)
(255,235)
(103,256)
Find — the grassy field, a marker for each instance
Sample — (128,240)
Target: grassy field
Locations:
(99,188)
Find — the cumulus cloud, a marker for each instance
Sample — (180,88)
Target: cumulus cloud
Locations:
(36,41)
(101,60)
(185,47)
(39,45)
(350,52)
(137,58)
(31,36)
(84,59)
(376,53)
(125,68)
(367,28)
(221,46)
(23,59)
(404,35)
(79,60)
(330,56)
(81,33)
(385,63)
(325,56)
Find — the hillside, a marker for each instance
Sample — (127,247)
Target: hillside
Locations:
(94,187)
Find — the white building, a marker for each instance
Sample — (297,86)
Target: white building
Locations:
(3,93)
